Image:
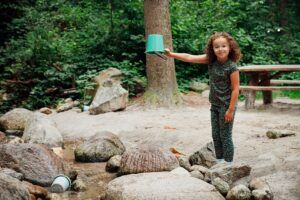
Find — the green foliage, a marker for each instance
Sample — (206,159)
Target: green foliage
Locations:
(65,43)
(257,26)
(50,46)
(291,94)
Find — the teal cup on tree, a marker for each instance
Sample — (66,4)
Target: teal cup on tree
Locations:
(155,45)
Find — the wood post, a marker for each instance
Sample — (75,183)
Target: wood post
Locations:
(250,95)
(267,95)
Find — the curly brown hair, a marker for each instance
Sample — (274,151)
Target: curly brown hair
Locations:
(234,54)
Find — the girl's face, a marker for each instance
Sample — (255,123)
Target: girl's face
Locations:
(221,49)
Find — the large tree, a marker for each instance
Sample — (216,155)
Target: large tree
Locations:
(162,87)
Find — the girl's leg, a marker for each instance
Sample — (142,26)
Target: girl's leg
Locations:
(226,137)
(215,115)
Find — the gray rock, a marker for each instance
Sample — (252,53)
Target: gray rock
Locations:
(12,188)
(258,183)
(198,86)
(197,174)
(100,147)
(78,185)
(42,130)
(261,190)
(160,185)
(277,134)
(184,162)
(38,164)
(229,173)
(110,95)
(205,156)
(239,192)
(46,110)
(221,186)
(180,171)
(262,195)
(113,74)
(200,168)
(108,99)
(207,178)
(12,173)
(69,104)
(146,158)
(113,164)
(15,119)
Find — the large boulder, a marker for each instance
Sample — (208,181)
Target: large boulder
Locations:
(67,105)
(205,156)
(160,185)
(36,191)
(12,173)
(221,186)
(15,119)
(99,148)
(12,188)
(229,173)
(37,163)
(110,95)
(42,130)
(260,189)
(146,158)
(239,192)
(198,86)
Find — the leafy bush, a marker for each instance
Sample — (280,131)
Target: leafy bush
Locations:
(52,46)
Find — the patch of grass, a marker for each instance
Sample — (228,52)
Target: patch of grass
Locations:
(295,94)
(292,94)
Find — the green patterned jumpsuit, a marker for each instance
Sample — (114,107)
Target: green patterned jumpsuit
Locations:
(219,97)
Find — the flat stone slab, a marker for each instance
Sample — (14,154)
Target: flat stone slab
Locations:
(160,185)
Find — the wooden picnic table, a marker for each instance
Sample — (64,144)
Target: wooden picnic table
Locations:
(263,78)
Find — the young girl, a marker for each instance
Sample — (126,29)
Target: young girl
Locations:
(221,54)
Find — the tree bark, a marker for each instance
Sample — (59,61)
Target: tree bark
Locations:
(162,89)
(283,14)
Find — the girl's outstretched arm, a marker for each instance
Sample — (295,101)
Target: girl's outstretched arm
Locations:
(187,57)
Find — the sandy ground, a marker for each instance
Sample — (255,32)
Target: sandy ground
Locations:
(188,129)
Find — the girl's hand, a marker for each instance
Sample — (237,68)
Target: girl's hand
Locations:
(168,52)
(228,116)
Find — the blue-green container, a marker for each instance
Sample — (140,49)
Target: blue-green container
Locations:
(155,44)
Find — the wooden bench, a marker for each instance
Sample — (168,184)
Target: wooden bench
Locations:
(267,88)
(288,82)
(250,95)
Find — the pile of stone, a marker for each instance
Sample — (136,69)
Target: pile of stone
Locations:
(30,143)
(150,172)
(27,162)
(24,126)
(144,172)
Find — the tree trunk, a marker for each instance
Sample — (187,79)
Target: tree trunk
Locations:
(283,14)
(162,89)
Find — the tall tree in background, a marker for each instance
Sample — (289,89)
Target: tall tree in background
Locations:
(162,87)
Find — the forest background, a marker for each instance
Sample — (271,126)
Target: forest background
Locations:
(50,50)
